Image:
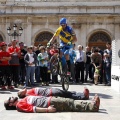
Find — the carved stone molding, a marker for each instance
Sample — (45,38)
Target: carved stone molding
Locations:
(76,25)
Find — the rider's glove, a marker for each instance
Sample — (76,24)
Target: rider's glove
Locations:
(69,43)
(48,44)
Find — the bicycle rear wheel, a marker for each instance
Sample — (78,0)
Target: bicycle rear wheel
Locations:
(65,82)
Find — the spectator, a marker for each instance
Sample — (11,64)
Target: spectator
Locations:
(96,60)
(88,62)
(5,67)
(48,64)
(91,75)
(72,55)
(37,68)
(107,63)
(102,65)
(14,51)
(30,61)
(43,62)
(22,63)
(79,64)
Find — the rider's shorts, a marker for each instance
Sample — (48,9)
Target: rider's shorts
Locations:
(65,48)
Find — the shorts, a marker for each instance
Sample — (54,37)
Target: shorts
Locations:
(65,48)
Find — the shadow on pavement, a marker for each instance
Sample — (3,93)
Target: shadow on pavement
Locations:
(5,92)
(103,111)
(101,95)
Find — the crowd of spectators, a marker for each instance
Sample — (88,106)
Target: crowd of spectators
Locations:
(25,65)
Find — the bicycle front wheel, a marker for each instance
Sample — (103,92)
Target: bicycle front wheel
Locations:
(54,65)
(65,83)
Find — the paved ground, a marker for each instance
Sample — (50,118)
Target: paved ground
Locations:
(109,108)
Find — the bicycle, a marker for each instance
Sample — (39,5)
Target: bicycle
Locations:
(57,68)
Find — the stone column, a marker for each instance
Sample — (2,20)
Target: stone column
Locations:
(117,28)
(28,32)
(7,38)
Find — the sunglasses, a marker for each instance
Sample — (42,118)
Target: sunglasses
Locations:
(63,24)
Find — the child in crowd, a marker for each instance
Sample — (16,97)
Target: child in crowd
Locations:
(43,63)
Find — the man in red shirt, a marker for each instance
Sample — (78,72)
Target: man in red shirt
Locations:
(14,51)
(4,66)
(41,104)
(54,92)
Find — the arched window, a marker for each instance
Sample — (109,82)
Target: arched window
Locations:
(99,39)
(43,38)
(100,36)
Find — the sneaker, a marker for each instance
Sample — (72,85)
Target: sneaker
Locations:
(47,84)
(43,84)
(68,73)
(16,85)
(108,84)
(25,86)
(96,101)
(74,81)
(3,88)
(10,87)
(86,93)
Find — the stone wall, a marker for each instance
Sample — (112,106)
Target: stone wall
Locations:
(36,16)
(62,0)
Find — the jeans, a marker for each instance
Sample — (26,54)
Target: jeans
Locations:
(30,70)
(37,74)
(108,72)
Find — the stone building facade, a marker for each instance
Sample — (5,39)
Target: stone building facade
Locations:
(94,21)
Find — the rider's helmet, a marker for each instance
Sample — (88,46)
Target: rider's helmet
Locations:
(63,21)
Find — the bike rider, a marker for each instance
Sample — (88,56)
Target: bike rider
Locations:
(67,39)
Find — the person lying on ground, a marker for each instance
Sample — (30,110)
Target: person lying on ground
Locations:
(42,104)
(54,92)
